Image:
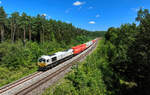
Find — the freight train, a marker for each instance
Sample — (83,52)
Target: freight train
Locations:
(49,61)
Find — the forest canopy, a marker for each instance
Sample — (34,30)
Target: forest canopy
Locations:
(16,26)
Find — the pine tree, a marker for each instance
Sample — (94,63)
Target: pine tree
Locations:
(2,22)
(14,24)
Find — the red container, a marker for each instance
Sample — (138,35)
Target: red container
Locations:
(93,41)
(77,49)
(83,46)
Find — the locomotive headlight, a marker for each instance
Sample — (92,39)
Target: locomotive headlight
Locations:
(41,64)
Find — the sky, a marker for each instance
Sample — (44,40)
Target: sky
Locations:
(93,15)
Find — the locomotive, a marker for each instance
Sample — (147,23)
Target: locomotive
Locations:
(49,61)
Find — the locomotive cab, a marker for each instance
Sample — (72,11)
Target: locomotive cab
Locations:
(43,61)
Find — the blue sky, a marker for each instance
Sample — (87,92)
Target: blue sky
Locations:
(87,14)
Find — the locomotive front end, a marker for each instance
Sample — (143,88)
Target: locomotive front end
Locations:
(42,62)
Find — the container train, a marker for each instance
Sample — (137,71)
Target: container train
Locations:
(49,61)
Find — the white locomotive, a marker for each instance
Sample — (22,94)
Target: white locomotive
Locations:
(54,59)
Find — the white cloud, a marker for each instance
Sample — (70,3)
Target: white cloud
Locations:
(92,22)
(78,3)
(0,2)
(97,16)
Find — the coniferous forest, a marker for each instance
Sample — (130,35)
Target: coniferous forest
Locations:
(16,26)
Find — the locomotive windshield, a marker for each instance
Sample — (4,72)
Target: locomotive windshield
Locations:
(41,60)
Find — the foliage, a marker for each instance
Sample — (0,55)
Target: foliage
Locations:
(2,23)
(85,79)
(129,56)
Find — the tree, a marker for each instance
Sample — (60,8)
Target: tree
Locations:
(14,24)
(139,54)
(30,23)
(2,22)
(24,23)
(129,55)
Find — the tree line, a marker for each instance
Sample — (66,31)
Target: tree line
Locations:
(23,27)
(128,55)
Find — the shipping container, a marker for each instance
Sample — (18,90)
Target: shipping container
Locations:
(77,49)
(83,47)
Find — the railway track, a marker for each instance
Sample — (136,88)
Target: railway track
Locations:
(30,83)
(11,85)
